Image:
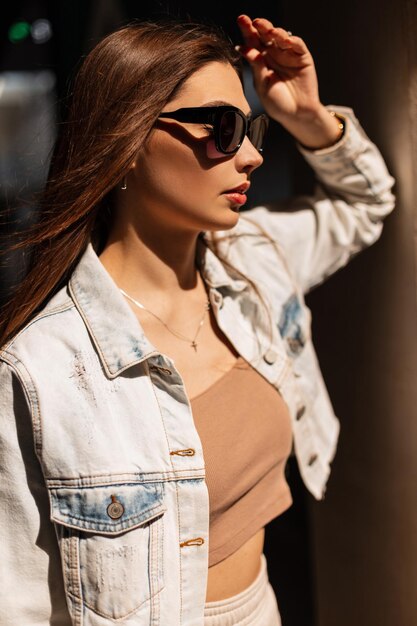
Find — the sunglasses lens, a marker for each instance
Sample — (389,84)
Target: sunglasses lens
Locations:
(257,131)
(231,132)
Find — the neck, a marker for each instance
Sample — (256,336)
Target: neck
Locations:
(146,265)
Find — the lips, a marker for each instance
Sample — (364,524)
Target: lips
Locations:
(237,195)
(242,188)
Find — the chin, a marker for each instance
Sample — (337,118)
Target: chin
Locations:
(230,219)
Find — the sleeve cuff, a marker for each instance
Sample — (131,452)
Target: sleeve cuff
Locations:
(352,143)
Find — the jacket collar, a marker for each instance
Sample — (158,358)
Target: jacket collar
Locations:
(114,328)
(115,331)
(212,269)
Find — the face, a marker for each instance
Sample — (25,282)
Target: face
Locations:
(179,181)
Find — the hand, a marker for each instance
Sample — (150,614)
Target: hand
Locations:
(286,81)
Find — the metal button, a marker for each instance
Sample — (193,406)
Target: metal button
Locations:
(116,509)
(312,459)
(270,357)
(300,412)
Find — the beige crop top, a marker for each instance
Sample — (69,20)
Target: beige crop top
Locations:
(245,430)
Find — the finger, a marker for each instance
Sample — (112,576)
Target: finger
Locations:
(256,60)
(262,25)
(266,30)
(249,32)
(298,45)
(282,44)
(278,37)
(252,55)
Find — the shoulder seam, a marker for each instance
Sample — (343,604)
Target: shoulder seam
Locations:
(59,309)
(15,365)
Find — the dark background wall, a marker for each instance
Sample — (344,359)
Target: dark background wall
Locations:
(364,534)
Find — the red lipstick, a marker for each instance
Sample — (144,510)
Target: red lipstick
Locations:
(237,195)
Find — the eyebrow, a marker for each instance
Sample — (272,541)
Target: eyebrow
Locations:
(219,103)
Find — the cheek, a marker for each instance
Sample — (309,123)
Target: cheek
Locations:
(176,179)
(171,169)
(212,152)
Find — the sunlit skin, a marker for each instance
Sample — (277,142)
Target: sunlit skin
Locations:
(175,191)
(180,189)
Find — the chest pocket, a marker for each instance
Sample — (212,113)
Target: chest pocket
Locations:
(294,325)
(111,542)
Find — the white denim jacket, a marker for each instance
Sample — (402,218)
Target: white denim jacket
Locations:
(104,504)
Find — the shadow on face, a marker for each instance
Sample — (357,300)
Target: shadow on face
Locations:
(201,146)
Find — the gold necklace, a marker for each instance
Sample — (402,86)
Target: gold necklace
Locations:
(192,342)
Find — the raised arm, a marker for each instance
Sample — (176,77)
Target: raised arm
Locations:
(318,234)
(286,82)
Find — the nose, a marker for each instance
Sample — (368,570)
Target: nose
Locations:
(247,157)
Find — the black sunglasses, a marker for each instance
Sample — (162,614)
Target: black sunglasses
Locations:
(230,125)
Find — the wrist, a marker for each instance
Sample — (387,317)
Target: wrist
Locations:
(316,129)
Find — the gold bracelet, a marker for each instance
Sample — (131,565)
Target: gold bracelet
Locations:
(341,124)
(342,128)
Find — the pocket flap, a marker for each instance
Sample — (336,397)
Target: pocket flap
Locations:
(109,509)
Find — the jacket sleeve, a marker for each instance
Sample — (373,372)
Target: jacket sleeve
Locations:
(31,587)
(319,234)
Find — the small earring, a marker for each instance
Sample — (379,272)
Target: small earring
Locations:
(124,184)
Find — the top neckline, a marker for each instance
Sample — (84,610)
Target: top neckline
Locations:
(239,359)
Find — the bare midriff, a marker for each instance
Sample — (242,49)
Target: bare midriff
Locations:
(237,571)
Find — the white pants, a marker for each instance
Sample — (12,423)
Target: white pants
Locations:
(254,606)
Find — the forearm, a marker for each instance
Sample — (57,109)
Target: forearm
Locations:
(315,130)
(318,234)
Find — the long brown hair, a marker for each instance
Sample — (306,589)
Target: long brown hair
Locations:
(121,87)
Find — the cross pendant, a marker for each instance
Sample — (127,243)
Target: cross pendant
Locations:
(194,345)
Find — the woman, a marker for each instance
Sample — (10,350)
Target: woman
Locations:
(155,323)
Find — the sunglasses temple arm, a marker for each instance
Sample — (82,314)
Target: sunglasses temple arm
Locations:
(191,117)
